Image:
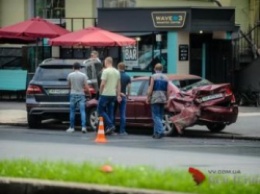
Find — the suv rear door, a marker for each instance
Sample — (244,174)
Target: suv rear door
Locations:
(52,80)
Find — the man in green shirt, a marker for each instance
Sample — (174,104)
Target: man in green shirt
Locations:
(109,92)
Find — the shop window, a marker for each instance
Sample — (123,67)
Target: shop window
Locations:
(147,53)
(49,9)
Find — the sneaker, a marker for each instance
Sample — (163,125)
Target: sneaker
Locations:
(70,130)
(158,136)
(113,133)
(83,130)
(110,130)
(123,133)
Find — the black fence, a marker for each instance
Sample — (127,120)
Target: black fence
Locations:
(247,46)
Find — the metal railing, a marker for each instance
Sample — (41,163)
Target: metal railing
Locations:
(248,44)
(75,23)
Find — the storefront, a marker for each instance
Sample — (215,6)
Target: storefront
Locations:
(191,40)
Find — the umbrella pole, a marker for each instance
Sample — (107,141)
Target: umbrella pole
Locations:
(36,54)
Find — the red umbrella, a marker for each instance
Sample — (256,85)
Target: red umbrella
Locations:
(92,36)
(34,28)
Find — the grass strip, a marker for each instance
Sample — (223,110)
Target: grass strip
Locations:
(144,177)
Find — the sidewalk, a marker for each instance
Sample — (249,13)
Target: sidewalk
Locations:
(14,113)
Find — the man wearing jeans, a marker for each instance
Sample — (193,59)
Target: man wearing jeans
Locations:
(78,87)
(109,93)
(157,95)
(125,81)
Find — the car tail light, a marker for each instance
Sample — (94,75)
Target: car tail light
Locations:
(33,89)
(92,90)
(228,91)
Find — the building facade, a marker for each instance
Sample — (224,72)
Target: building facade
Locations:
(184,39)
(201,46)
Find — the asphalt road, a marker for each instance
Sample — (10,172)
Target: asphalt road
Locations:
(178,152)
(246,127)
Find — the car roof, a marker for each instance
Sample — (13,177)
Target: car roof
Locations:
(173,77)
(53,61)
(182,76)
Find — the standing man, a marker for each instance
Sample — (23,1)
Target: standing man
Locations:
(158,95)
(109,93)
(78,87)
(94,56)
(125,81)
(93,67)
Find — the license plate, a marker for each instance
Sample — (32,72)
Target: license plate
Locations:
(58,91)
(211,97)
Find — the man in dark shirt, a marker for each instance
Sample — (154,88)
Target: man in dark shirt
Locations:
(157,96)
(125,91)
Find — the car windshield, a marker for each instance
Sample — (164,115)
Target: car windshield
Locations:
(189,84)
(54,73)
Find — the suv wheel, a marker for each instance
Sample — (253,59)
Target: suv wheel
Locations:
(168,125)
(93,119)
(216,127)
(33,121)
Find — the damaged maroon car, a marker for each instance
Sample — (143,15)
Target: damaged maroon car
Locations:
(201,102)
(193,101)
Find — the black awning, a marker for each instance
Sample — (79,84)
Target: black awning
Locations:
(142,20)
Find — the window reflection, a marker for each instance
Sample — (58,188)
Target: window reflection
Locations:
(135,87)
(74,53)
(118,3)
(147,53)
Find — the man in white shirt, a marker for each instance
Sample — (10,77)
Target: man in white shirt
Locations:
(78,87)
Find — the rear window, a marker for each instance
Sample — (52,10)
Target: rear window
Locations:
(189,84)
(54,73)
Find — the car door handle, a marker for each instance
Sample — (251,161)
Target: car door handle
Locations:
(129,99)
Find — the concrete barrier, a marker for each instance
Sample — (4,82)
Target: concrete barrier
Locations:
(33,186)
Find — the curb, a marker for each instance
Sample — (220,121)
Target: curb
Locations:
(225,136)
(14,124)
(33,186)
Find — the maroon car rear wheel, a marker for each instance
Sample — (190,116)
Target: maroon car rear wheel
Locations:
(216,127)
(168,125)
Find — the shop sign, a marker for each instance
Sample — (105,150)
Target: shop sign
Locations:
(168,19)
(130,56)
(183,52)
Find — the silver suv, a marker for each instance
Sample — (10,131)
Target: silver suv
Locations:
(47,95)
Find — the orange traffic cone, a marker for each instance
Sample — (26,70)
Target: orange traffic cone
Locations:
(101,132)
